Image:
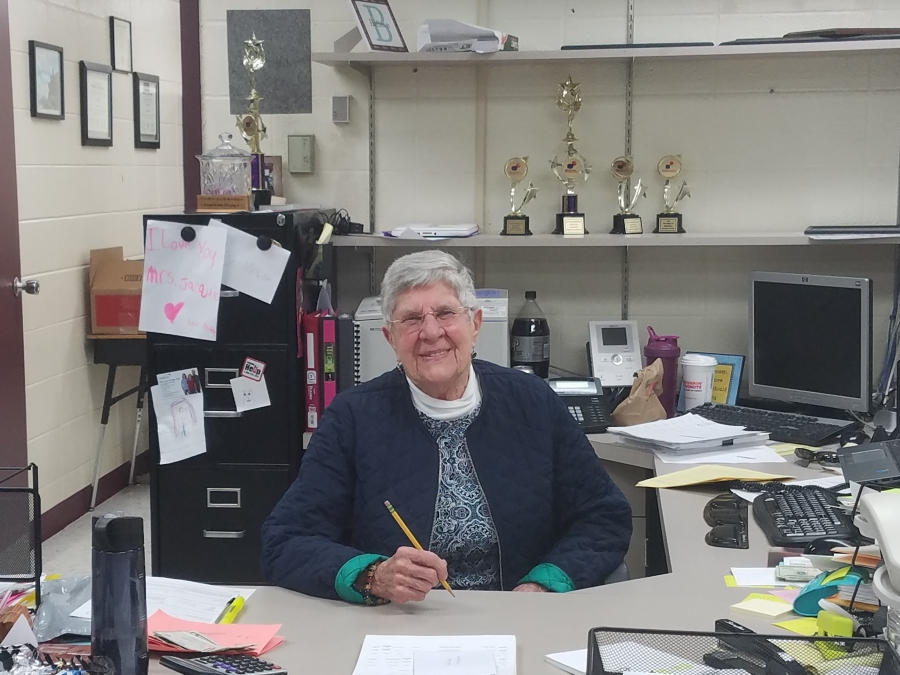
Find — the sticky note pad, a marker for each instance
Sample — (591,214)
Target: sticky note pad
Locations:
(771,608)
(807,626)
(766,596)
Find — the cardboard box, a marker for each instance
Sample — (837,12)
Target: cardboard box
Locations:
(115,292)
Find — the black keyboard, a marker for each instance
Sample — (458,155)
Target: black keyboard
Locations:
(794,517)
(781,426)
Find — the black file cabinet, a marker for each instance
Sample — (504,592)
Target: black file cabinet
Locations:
(207,511)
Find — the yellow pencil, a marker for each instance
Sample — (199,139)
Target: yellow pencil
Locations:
(412,538)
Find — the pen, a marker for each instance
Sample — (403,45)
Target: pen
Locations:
(412,538)
(232,609)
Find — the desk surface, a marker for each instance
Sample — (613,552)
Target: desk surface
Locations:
(324,636)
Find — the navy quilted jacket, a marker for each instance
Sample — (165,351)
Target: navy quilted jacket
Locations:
(551,499)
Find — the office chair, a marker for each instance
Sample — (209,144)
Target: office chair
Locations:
(20,527)
(617,575)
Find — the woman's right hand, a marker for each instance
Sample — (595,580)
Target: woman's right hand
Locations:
(408,575)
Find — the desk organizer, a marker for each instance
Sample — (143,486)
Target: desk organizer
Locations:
(624,650)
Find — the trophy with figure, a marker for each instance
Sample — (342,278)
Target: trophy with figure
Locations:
(626,222)
(670,222)
(573,167)
(250,123)
(516,223)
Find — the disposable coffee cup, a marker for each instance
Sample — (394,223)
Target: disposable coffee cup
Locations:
(697,375)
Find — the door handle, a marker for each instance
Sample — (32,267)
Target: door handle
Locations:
(224,534)
(29,286)
(223,413)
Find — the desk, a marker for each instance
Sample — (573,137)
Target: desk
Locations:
(324,636)
(114,351)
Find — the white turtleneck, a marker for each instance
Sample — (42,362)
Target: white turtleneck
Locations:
(447,410)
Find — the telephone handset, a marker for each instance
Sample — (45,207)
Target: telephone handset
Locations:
(614,352)
(585,399)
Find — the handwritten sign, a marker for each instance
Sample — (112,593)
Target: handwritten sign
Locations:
(249,269)
(182,280)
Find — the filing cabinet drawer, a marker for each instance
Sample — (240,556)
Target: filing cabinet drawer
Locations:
(209,521)
(269,435)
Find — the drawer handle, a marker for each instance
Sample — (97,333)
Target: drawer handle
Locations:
(221,377)
(223,498)
(224,534)
(228,293)
(223,413)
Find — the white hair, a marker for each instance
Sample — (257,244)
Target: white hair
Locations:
(425,268)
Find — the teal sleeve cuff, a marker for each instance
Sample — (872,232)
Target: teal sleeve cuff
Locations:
(550,577)
(343,582)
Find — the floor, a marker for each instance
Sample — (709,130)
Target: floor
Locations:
(68,553)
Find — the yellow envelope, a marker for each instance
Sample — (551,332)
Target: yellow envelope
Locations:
(707,473)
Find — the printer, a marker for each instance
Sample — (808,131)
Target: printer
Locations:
(374,356)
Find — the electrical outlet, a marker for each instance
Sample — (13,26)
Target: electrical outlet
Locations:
(301,154)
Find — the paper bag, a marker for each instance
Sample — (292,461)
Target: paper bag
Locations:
(642,404)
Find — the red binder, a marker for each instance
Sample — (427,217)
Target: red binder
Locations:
(312,351)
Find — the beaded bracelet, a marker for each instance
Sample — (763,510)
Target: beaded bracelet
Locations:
(369,599)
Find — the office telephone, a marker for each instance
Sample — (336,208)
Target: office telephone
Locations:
(586,401)
(613,352)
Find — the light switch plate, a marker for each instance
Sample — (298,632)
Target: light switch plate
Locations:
(301,154)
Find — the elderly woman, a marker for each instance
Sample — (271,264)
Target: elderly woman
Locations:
(485,464)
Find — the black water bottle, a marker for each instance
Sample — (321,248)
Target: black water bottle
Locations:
(119,594)
(529,341)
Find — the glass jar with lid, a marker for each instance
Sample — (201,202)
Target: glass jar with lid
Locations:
(225,170)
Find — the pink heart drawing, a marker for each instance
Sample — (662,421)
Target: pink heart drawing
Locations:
(172,310)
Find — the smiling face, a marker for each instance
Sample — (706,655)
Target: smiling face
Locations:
(436,355)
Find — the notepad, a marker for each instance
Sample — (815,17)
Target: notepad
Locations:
(708,473)
(773,608)
(574,662)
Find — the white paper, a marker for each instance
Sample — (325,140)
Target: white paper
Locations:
(395,654)
(249,394)
(753,454)
(681,431)
(186,600)
(247,268)
(574,662)
(449,35)
(634,658)
(759,576)
(19,634)
(149,92)
(178,404)
(454,662)
(182,280)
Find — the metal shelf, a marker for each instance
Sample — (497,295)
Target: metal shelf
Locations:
(365,60)
(606,240)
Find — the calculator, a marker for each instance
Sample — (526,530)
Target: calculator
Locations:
(221,664)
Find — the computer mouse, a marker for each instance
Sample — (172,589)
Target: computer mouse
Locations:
(823,545)
(855,437)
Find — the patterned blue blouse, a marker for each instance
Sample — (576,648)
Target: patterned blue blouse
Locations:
(463,532)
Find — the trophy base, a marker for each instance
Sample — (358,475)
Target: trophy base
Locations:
(668,223)
(222,203)
(516,226)
(571,224)
(261,198)
(627,223)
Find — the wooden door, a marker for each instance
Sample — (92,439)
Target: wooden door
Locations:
(13,440)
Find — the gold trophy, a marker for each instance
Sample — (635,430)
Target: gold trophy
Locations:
(669,222)
(516,223)
(574,165)
(626,222)
(253,130)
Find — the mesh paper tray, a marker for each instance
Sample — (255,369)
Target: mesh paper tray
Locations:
(640,652)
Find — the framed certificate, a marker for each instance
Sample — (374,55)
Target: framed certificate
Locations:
(120,44)
(45,71)
(96,104)
(146,110)
(378,26)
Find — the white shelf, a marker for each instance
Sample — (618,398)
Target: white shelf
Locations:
(607,240)
(361,60)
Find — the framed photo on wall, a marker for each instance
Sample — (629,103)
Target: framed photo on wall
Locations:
(45,72)
(146,110)
(96,103)
(378,26)
(120,44)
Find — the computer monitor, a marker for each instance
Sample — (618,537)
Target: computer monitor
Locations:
(811,339)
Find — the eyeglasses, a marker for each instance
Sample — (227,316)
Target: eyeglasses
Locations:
(727,515)
(804,457)
(445,316)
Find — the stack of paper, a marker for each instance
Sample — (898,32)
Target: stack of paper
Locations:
(687,434)
(163,635)
(437,654)
(432,231)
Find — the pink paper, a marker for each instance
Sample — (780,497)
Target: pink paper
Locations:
(261,636)
(786,595)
